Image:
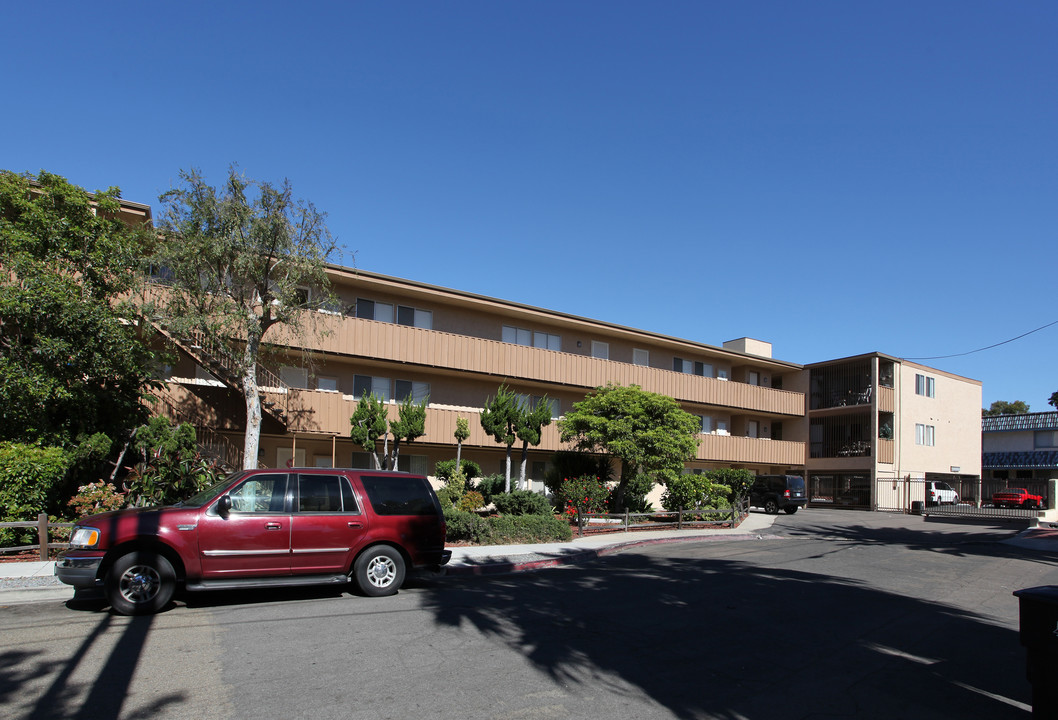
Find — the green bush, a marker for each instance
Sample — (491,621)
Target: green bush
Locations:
(30,476)
(471,501)
(443,469)
(490,486)
(95,498)
(522,502)
(506,529)
(691,492)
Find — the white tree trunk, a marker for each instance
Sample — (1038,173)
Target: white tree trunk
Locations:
(522,482)
(507,483)
(252,438)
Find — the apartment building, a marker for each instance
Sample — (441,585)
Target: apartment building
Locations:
(863,429)
(398,338)
(880,427)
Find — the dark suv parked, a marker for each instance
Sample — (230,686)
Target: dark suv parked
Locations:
(778,492)
(262,528)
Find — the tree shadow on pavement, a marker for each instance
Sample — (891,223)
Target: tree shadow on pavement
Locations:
(723,639)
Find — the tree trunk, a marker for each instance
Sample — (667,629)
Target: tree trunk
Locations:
(252,437)
(459,453)
(627,471)
(507,484)
(521,471)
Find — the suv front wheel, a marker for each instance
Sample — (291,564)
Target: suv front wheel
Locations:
(140,583)
(379,571)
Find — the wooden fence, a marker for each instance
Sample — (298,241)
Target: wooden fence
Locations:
(43,543)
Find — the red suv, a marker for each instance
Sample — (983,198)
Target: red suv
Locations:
(262,528)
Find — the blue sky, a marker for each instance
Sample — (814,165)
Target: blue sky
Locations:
(889,171)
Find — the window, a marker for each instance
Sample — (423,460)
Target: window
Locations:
(641,357)
(325,493)
(261,493)
(371,310)
(285,457)
(1046,439)
(713,425)
(294,377)
(692,367)
(326,382)
(600,350)
(414,317)
(547,341)
(924,385)
(367,385)
(924,434)
(522,336)
(531,401)
(395,495)
(417,391)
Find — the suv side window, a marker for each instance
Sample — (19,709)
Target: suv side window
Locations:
(395,495)
(325,493)
(259,494)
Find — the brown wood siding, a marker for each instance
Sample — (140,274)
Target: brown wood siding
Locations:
(368,339)
(885,451)
(885,399)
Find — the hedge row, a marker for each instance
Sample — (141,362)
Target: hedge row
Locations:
(505,529)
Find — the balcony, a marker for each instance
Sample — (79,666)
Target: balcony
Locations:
(327,413)
(499,361)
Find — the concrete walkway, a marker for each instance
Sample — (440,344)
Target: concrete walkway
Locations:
(36,581)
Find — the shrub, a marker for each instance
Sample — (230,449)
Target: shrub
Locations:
(463,526)
(506,529)
(587,493)
(443,469)
(471,501)
(572,464)
(690,492)
(738,481)
(31,476)
(522,502)
(490,486)
(95,498)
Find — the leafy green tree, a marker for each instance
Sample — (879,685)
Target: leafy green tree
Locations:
(71,361)
(737,479)
(1001,407)
(409,425)
(500,418)
(239,261)
(691,492)
(1053,402)
(368,424)
(172,469)
(529,430)
(649,433)
(461,434)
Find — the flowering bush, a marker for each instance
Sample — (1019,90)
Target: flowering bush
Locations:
(96,497)
(587,493)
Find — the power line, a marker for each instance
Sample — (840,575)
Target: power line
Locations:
(989,347)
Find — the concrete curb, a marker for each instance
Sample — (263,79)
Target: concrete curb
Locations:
(493,567)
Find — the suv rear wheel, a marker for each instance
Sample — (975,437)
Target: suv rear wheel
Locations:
(771,506)
(140,583)
(379,571)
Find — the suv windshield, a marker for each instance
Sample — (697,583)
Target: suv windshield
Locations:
(208,495)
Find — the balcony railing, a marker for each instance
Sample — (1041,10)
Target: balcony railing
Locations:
(371,340)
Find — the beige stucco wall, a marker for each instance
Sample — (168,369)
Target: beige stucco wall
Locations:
(955,413)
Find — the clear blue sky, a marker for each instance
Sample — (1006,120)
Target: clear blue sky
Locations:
(888,170)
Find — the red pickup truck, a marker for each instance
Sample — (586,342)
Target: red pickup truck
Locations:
(1016,498)
(262,528)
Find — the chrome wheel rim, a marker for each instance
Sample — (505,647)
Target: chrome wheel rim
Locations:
(139,584)
(381,571)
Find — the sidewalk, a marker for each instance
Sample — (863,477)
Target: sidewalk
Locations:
(36,581)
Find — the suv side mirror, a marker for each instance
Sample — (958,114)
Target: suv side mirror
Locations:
(224,506)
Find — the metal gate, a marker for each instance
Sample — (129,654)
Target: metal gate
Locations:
(974,496)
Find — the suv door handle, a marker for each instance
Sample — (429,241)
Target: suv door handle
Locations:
(273,526)
(356,525)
